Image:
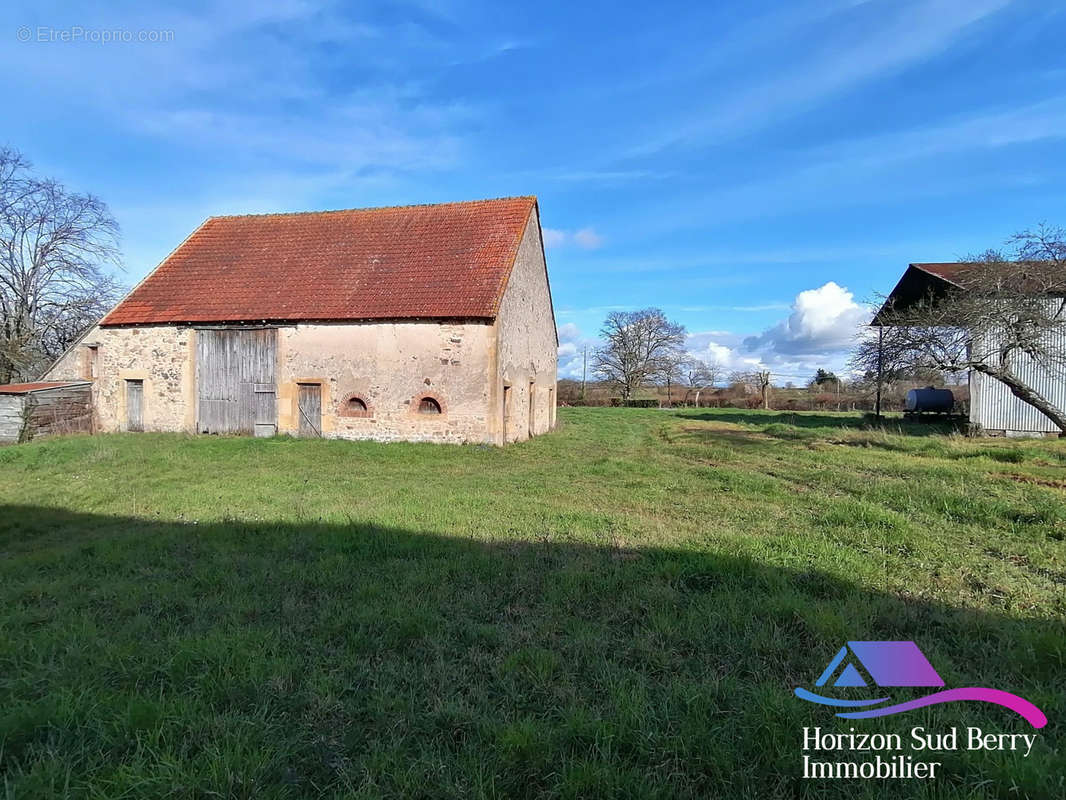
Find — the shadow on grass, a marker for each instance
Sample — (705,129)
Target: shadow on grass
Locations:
(142,657)
(812,419)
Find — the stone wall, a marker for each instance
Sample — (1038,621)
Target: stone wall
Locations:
(527,346)
(390,367)
(74,365)
(161,356)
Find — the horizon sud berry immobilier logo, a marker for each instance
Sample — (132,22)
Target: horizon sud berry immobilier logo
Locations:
(865,665)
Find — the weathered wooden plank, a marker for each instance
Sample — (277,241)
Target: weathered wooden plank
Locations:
(134,405)
(231,364)
(309,403)
(266,410)
(11,419)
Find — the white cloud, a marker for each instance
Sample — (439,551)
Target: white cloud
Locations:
(586,238)
(359,132)
(569,332)
(553,237)
(721,348)
(823,320)
(818,333)
(572,344)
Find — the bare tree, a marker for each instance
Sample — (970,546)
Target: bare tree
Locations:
(698,376)
(639,346)
(671,372)
(1004,311)
(759,380)
(54,245)
(880,359)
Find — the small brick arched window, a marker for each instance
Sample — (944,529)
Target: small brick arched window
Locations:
(428,405)
(354,405)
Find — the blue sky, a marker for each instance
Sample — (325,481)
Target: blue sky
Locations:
(755,169)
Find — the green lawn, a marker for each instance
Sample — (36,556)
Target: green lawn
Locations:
(620,609)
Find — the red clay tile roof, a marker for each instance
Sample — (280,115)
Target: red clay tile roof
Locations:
(26,388)
(965,274)
(407,262)
(916,283)
(951,271)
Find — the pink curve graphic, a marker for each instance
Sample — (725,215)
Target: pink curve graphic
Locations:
(1019,705)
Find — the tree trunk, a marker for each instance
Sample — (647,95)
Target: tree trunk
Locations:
(1025,394)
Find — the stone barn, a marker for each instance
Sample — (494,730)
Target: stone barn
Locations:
(418,323)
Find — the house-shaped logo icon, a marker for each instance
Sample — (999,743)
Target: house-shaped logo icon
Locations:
(887,664)
(857,665)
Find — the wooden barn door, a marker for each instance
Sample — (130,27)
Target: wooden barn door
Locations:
(135,405)
(237,390)
(532,408)
(310,409)
(506,412)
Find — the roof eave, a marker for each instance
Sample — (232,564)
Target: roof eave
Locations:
(297,321)
(912,272)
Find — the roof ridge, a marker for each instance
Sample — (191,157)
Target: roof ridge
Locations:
(529,197)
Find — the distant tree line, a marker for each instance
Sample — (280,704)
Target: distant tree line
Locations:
(643,361)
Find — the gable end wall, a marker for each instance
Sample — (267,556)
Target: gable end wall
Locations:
(527,349)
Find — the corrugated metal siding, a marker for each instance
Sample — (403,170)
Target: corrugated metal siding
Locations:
(994,408)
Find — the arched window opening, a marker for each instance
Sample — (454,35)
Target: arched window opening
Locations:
(354,406)
(427,405)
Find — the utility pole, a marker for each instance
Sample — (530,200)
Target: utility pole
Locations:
(880,366)
(584,369)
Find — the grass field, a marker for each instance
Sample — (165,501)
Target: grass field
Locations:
(619,609)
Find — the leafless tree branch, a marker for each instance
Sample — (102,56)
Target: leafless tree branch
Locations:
(54,246)
(640,346)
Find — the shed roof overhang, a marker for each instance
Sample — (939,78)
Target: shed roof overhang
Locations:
(919,282)
(39,386)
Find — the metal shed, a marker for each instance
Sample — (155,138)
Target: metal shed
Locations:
(48,407)
(992,406)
